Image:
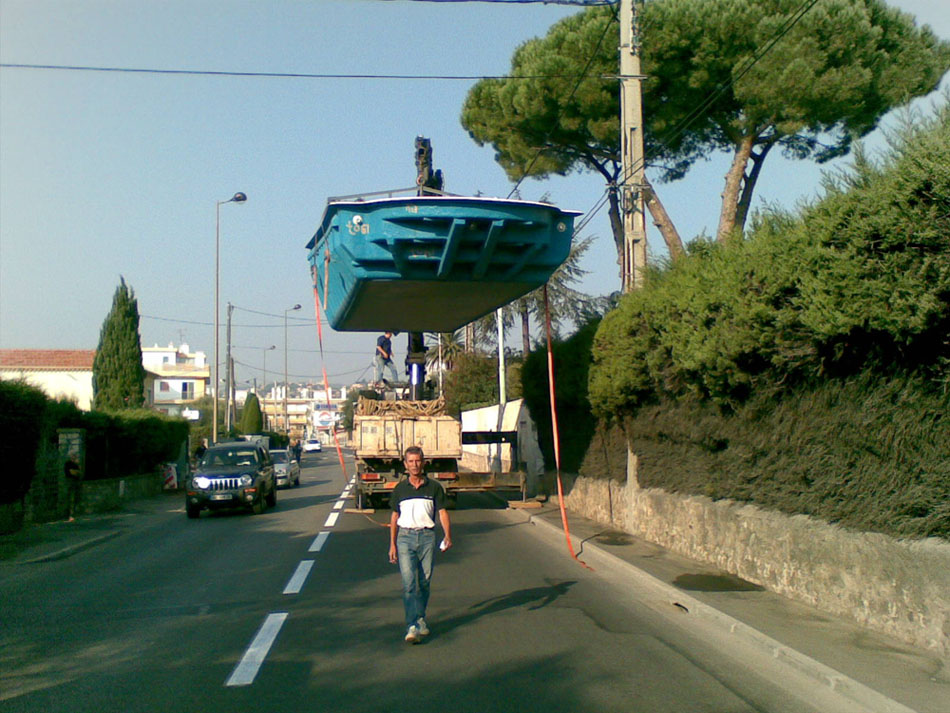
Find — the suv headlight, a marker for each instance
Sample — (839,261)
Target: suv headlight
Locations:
(246,480)
(201,482)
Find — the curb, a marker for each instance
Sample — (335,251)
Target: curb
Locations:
(70,550)
(833,680)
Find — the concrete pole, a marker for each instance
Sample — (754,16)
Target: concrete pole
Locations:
(634,258)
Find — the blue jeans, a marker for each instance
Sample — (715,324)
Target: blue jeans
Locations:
(415,549)
(380,364)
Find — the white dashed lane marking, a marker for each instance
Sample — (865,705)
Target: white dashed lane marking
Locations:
(246,671)
(319,542)
(300,576)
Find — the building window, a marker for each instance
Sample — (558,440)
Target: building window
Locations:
(163,386)
(187,390)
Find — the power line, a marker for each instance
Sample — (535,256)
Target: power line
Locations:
(580,3)
(308,377)
(302,322)
(277,75)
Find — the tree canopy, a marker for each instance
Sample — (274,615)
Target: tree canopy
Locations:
(118,377)
(722,75)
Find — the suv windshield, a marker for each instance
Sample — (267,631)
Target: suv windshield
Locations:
(279,456)
(229,457)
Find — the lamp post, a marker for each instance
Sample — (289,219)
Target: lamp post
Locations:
(236,198)
(286,417)
(264,386)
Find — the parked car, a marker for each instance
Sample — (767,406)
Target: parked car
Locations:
(312,445)
(232,475)
(286,468)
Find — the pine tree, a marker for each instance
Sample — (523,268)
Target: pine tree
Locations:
(118,377)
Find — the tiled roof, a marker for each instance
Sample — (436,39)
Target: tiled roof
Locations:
(48,359)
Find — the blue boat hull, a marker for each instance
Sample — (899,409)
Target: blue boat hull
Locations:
(432,263)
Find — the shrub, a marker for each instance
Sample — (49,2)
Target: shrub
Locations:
(576,425)
(861,280)
(22,424)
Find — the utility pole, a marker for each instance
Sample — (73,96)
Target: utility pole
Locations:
(634,258)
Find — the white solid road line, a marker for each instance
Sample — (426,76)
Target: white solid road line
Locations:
(300,576)
(319,542)
(246,670)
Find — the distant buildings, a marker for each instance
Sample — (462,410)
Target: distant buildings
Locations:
(175,379)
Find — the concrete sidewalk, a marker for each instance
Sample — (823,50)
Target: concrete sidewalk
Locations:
(49,541)
(869,669)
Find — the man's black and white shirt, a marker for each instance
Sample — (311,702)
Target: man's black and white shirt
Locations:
(417,507)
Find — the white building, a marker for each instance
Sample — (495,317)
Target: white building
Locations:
(176,378)
(60,373)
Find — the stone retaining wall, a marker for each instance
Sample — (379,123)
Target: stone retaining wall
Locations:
(109,494)
(899,587)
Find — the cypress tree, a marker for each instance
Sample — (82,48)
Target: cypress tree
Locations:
(251,419)
(118,377)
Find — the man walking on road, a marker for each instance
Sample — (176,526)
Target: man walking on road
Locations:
(415,502)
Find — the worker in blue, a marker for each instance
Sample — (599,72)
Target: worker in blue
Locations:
(416,502)
(384,358)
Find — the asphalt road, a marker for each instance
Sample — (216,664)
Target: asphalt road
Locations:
(298,609)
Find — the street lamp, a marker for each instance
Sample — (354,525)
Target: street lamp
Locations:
(286,417)
(236,198)
(264,386)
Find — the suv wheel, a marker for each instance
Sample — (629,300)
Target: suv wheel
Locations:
(193,511)
(272,497)
(258,506)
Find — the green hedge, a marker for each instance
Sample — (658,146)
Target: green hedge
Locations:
(870,452)
(805,368)
(862,280)
(117,444)
(576,425)
(23,425)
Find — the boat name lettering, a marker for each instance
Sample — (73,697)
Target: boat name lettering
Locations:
(412,209)
(362,229)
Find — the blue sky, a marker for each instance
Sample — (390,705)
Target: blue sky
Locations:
(109,174)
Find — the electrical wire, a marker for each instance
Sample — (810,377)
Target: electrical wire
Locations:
(276,75)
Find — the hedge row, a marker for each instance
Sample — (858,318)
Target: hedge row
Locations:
(861,280)
(869,452)
(805,368)
(117,444)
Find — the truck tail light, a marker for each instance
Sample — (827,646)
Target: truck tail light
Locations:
(371,477)
(446,476)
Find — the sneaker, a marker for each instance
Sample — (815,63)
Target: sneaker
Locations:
(422,627)
(412,636)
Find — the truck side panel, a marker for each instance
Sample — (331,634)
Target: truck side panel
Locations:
(382,437)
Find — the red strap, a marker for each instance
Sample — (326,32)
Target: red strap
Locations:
(556,431)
